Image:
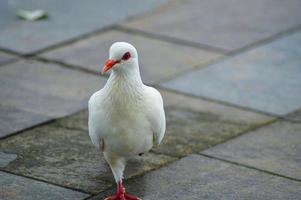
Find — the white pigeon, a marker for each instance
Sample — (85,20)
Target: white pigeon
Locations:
(126,117)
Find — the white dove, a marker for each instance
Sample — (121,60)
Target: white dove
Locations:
(126,117)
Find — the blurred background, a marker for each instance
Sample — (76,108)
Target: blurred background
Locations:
(229,72)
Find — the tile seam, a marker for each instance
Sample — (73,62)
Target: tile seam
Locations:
(249,167)
(44,181)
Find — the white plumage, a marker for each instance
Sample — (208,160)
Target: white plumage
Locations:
(126,117)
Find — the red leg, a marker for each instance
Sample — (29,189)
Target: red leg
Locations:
(121,194)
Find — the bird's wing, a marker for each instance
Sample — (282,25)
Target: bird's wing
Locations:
(157,115)
(94,121)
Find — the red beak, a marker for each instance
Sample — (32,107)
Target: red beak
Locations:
(109,64)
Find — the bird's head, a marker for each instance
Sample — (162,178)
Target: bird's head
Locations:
(123,56)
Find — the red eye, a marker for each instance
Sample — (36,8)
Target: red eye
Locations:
(126,56)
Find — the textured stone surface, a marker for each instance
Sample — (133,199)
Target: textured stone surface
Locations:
(6,158)
(192,124)
(224,112)
(78,120)
(196,177)
(5,57)
(50,79)
(32,92)
(13,119)
(294,116)
(67,157)
(266,78)
(27,37)
(19,188)
(274,148)
(157,59)
(225,24)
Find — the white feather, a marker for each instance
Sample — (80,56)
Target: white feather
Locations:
(126,117)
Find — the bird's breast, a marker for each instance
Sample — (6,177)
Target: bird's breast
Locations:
(128,131)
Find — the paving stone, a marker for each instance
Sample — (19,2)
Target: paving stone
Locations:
(157,59)
(32,92)
(274,148)
(225,24)
(81,18)
(67,157)
(78,120)
(198,177)
(6,158)
(294,116)
(13,120)
(19,188)
(5,57)
(192,124)
(61,82)
(266,78)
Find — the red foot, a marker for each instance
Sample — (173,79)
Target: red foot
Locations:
(121,195)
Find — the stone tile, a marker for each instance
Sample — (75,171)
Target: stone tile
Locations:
(294,116)
(51,79)
(6,158)
(17,188)
(274,148)
(68,158)
(13,120)
(225,24)
(4,57)
(196,177)
(223,112)
(266,78)
(192,124)
(38,91)
(81,18)
(157,59)
(78,120)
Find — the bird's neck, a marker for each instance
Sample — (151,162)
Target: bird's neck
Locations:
(125,83)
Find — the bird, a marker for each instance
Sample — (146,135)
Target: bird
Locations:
(126,117)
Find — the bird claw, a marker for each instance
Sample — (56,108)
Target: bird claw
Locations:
(131,197)
(123,196)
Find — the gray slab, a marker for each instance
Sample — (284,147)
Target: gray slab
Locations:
(266,78)
(4,57)
(192,124)
(225,24)
(38,90)
(67,19)
(294,116)
(274,148)
(67,157)
(13,119)
(196,177)
(157,59)
(19,188)
(6,158)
